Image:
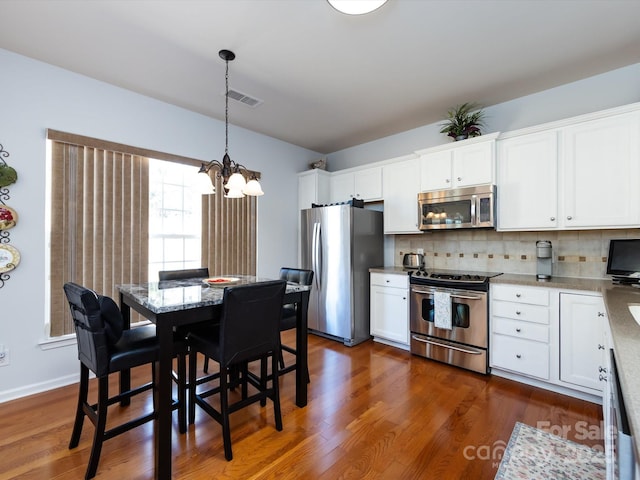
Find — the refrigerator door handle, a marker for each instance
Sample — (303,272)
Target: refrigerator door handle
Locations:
(316,247)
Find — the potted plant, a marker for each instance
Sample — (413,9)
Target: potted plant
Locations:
(463,121)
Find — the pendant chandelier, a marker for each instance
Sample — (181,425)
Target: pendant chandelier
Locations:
(356,7)
(232,173)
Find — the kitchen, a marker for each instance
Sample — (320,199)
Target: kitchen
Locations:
(51,97)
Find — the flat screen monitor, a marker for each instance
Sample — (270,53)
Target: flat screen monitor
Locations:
(624,258)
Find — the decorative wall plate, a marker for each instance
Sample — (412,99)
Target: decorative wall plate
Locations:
(9,258)
(8,217)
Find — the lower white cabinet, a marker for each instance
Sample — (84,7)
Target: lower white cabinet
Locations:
(390,307)
(548,337)
(582,340)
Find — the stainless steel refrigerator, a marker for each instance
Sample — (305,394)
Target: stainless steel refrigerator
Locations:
(340,243)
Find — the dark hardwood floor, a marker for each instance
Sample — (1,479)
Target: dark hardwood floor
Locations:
(374,412)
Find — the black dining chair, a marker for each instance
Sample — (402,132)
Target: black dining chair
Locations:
(106,347)
(249,330)
(289,312)
(200,272)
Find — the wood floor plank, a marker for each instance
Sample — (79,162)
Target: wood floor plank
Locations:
(374,412)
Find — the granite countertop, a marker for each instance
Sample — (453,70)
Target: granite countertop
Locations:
(625,332)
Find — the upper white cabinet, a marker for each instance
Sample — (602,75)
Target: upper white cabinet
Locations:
(400,187)
(601,172)
(365,184)
(575,176)
(463,164)
(527,187)
(313,187)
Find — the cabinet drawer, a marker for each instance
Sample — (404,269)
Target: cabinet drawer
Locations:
(518,329)
(513,293)
(520,311)
(390,280)
(521,356)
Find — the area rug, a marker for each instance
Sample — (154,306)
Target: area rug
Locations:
(534,454)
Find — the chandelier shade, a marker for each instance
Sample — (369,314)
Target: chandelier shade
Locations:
(232,173)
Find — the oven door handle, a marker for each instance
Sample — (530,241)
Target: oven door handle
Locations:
(447,345)
(465,297)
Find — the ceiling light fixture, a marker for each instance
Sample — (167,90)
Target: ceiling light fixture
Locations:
(356,7)
(232,173)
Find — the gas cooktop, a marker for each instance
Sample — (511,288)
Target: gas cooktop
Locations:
(446,276)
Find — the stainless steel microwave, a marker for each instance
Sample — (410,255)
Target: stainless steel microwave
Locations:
(471,207)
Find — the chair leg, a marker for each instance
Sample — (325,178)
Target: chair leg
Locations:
(101,422)
(276,393)
(263,378)
(182,393)
(193,359)
(82,400)
(224,410)
(205,368)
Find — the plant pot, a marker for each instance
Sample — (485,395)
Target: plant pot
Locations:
(461,137)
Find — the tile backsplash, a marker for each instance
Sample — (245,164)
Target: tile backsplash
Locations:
(579,253)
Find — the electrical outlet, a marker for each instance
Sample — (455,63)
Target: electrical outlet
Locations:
(421,251)
(4,356)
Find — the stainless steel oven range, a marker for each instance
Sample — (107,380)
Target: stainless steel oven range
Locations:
(463,339)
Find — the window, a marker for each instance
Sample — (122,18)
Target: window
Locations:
(117,217)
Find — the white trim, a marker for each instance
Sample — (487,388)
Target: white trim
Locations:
(32,389)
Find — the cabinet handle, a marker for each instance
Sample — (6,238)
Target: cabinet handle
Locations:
(601,314)
(553,219)
(387,281)
(602,370)
(602,378)
(600,346)
(518,295)
(518,355)
(459,179)
(569,217)
(404,298)
(518,312)
(518,330)
(447,181)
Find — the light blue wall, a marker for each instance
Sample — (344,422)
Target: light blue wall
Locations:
(611,89)
(36,96)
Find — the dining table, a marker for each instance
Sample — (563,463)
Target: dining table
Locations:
(173,303)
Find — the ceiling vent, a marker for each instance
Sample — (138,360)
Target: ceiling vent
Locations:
(244,98)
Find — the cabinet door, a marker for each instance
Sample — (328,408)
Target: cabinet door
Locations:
(435,171)
(582,342)
(313,187)
(390,314)
(601,171)
(400,185)
(342,187)
(473,165)
(368,184)
(527,183)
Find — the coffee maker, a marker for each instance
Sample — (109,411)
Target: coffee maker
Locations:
(545,258)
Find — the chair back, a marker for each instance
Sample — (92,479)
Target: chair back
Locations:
(98,324)
(250,324)
(296,275)
(181,274)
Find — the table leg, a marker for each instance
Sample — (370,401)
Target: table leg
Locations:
(125,375)
(302,350)
(163,430)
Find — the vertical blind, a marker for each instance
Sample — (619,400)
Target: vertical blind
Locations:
(100,221)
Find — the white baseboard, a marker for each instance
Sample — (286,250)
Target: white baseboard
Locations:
(32,389)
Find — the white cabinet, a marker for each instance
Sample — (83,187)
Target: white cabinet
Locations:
(520,330)
(313,187)
(390,307)
(400,187)
(582,340)
(466,163)
(365,184)
(527,186)
(601,172)
(577,175)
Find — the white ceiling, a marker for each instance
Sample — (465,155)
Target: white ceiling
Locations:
(328,81)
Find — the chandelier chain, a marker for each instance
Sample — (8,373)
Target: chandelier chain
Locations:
(226,110)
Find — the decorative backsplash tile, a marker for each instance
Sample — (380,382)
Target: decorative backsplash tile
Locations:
(576,253)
